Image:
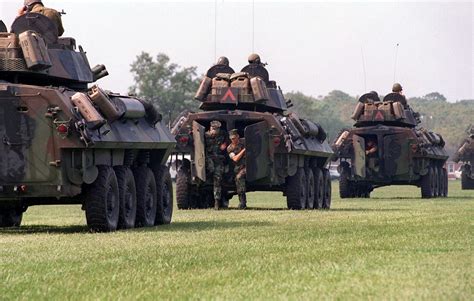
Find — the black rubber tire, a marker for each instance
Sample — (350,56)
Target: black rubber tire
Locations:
(10,217)
(318,188)
(183,191)
(436,181)
(147,197)
(327,189)
(127,197)
(466,182)
(445,182)
(296,190)
(346,188)
(164,186)
(102,201)
(310,198)
(426,184)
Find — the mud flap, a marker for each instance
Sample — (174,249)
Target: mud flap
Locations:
(396,154)
(359,156)
(257,151)
(199,151)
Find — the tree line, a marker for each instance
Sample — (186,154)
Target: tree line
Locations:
(171,89)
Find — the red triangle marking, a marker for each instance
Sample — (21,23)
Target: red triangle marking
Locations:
(229,94)
(379,116)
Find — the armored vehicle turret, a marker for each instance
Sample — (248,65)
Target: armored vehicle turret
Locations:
(283,152)
(465,154)
(386,146)
(67,141)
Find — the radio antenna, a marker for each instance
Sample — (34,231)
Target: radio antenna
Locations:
(395,63)
(215,30)
(253,26)
(363,68)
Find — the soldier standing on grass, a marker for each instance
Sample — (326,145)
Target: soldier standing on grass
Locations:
(236,151)
(215,146)
(36,6)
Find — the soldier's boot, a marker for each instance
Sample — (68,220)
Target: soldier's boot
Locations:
(242,201)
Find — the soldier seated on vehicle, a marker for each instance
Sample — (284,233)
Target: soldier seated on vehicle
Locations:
(216,144)
(36,6)
(236,151)
(222,66)
(397,88)
(371,153)
(256,68)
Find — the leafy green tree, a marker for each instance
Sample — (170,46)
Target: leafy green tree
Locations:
(167,85)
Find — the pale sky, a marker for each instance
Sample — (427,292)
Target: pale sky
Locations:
(312,47)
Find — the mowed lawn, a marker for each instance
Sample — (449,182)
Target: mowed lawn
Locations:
(393,246)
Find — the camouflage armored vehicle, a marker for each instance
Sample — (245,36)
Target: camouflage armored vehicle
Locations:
(65,142)
(386,147)
(465,154)
(283,152)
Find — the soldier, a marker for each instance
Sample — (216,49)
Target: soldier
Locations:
(371,150)
(215,146)
(222,66)
(36,6)
(397,88)
(256,68)
(236,151)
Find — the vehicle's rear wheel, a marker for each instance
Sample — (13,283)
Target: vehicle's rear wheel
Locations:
(466,181)
(436,181)
(102,201)
(164,186)
(296,192)
(184,199)
(427,189)
(147,202)
(445,182)
(10,217)
(310,199)
(127,197)
(346,189)
(318,188)
(327,189)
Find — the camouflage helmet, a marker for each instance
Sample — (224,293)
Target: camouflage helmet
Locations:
(31,2)
(397,88)
(223,61)
(215,124)
(233,133)
(254,59)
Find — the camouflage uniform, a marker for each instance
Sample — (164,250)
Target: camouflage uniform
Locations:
(52,14)
(215,161)
(240,170)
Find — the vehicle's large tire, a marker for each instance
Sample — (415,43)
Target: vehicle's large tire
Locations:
(426,184)
(164,186)
(10,217)
(445,182)
(147,197)
(466,182)
(296,190)
(184,199)
(310,191)
(102,201)
(327,189)
(436,181)
(127,197)
(346,189)
(318,188)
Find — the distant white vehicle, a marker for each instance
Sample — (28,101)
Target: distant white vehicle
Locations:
(458,172)
(333,172)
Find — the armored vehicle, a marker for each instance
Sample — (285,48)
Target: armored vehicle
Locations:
(283,152)
(465,154)
(65,142)
(386,146)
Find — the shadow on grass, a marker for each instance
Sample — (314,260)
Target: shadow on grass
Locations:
(35,229)
(403,198)
(174,226)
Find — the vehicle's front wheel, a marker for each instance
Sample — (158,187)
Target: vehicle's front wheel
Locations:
(427,184)
(102,201)
(296,192)
(147,202)
(10,217)
(128,197)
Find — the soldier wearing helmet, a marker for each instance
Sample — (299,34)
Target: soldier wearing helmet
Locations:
(222,66)
(216,144)
(36,6)
(256,68)
(236,151)
(254,59)
(397,88)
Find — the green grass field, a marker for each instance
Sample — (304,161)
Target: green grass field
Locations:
(393,246)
